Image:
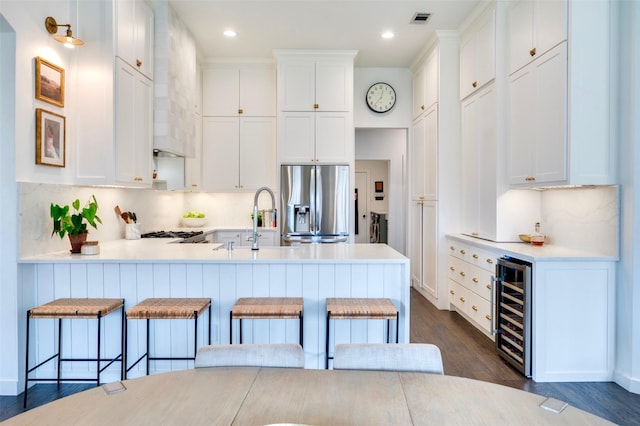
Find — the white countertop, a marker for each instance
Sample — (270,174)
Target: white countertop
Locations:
(531,253)
(151,250)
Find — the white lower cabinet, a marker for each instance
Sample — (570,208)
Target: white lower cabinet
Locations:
(470,274)
(572,307)
(424,250)
(134,126)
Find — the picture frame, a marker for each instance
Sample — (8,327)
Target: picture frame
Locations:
(379,186)
(50,138)
(49,82)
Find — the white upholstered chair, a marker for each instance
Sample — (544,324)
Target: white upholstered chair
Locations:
(419,357)
(289,355)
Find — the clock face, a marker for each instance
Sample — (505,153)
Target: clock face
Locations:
(381,97)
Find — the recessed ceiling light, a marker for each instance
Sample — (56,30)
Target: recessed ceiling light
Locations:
(229,33)
(387,34)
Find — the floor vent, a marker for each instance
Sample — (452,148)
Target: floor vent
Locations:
(420,18)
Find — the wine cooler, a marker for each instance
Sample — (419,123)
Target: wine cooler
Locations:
(513,312)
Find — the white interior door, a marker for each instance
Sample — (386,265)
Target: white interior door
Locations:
(362,185)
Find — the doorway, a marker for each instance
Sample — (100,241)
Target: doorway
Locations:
(372,181)
(389,146)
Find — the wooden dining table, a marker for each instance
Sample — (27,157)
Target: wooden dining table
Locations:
(264,396)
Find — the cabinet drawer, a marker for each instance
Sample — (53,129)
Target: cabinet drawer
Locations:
(458,296)
(479,311)
(470,276)
(482,258)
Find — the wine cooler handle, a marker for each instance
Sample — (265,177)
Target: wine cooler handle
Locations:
(494,328)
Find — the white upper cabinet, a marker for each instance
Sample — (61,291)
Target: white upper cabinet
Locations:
(425,84)
(135,34)
(239,154)
(534,27)
(232,90)
(315,83)
(560,103)
(477,54)
(315,106)
(134,124)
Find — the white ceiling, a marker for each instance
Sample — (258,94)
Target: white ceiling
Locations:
(264,25)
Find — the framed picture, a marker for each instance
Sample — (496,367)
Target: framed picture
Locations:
(379,186)
(50,138)
(49,82)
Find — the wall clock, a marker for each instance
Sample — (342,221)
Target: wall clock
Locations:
(381,97)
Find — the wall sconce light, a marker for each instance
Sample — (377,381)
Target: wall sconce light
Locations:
(68,40)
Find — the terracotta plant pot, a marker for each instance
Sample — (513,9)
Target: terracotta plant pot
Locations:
(77,241)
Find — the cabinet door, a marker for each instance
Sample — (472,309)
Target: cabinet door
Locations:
(332,137)
(296,85)
(134,124)
(430,247)
(144,37)
(333,85)
(478,153)
(257,152)
(550,25)
(431,154)
(522,137)
(418,92)
(520,33)
(431,79)
(296,136)
(416,242)
(485,64)
(551,116)
(134,34)
(220,87)
(220,153)
(193,165)
(258,92)
(468,82)
(417,160)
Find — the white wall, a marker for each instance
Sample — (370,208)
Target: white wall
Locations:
(8,216)
(627,369)
(401,81)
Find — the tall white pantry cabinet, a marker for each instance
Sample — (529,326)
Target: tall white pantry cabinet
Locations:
(433,187)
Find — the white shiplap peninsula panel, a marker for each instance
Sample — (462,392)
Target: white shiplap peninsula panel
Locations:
(224,283)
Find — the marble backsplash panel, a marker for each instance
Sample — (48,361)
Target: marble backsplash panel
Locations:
(582,218)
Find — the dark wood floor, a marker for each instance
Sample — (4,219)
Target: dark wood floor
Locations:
(466,352)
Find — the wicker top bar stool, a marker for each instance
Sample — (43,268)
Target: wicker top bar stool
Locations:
(266,308)
(75,308)
(360,308)
(168,308)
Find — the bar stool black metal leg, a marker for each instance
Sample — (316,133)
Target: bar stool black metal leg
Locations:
(147,354)
(388,329)
(301,329)
(125,355)
(327,342)
(59,349)
(230,327)
(240,325)
(397,325)
(123,339)
(98,349)
(26,365)
(209,324)
(195,333)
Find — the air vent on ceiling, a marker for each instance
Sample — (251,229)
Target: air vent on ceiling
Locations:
(420,18)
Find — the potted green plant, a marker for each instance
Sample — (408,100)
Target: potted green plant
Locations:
(75,224)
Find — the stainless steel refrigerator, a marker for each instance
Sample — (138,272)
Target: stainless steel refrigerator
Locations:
(314,202)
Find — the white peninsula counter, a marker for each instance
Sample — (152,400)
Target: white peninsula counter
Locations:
(138,269)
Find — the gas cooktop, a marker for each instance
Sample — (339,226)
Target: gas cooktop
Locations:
(171,234)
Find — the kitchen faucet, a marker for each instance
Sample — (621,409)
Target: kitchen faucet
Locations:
(254,246)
